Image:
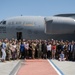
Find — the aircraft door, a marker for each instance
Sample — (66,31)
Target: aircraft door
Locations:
(19,35)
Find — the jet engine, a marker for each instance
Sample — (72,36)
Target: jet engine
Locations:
(59,25)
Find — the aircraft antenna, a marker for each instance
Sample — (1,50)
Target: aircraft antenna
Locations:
(21,14)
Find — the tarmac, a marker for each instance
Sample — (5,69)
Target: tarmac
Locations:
(9,67)
(63,67)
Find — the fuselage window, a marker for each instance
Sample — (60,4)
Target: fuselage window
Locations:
(12,23)
(9,23)
(18,22)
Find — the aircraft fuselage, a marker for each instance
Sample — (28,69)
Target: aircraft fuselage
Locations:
(37,27)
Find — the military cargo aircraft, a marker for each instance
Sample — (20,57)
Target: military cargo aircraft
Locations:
(58,27)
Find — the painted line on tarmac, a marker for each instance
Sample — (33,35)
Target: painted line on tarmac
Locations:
(19,66)
(16,68)
(56,68)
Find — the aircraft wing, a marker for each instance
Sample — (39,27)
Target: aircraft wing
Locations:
(66,15)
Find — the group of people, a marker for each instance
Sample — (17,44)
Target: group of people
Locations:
(37,49)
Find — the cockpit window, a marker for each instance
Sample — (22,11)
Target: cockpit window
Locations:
(3,22)
(0,22)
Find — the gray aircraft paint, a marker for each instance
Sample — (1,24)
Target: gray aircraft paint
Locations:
(36,27)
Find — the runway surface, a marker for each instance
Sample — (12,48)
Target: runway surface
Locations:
(36,67)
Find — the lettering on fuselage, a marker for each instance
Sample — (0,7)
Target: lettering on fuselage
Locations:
(28,24)
(21,23)
(19,28)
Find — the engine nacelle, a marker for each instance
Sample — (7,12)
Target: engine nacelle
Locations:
(59,25)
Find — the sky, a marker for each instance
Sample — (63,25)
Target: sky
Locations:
(11,8)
